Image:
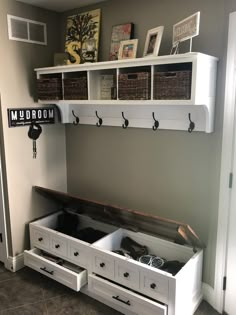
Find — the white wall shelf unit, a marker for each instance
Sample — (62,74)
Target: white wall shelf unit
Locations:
(175,114)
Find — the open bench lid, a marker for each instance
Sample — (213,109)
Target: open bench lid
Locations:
(177,232)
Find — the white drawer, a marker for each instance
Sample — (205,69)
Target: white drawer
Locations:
(58,245)
(154,285)
(127,274)
(39,238)
(54,271)
(78,253)
(124,298)
(103,264)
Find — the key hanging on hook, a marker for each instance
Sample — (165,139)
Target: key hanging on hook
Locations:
(76,121)
(191,125)
(34,132)
(156,122)
(126,122)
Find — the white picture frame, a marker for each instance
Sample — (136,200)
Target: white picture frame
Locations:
(128,49)
(186,29)
(153,41)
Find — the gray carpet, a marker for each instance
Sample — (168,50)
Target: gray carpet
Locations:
(27,292)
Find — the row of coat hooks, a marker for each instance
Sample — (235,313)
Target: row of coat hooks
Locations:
(126,121)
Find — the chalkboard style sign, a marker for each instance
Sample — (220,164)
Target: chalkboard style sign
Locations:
(25,116)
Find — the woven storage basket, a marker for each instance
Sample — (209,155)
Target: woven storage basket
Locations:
(134,86)
(49,89)
(76,88)
(172,85)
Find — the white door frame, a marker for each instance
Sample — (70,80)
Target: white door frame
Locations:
(226,165)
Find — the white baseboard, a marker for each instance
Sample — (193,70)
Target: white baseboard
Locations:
(209,294)
(15,263)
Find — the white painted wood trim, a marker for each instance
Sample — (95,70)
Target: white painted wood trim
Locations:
(15,263)
(226,165)
(3,225)
(208,294)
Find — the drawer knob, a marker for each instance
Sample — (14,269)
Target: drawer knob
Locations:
(126,274)
(153,286)
(57,246)
(76,254)
(40,239)
(102,264)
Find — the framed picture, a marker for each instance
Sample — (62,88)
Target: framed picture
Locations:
(128,49)
(82,37)
(119,33)
(153,41)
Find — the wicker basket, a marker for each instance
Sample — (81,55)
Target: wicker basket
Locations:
(134,86)
(49,89)
(76,88)
(172,85)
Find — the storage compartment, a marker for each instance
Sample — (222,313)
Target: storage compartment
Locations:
(103,84)
(124,298)
(49,87)
(76,86)
(70,241)
(62,271)
(141,262)
(172,82)
(135,84)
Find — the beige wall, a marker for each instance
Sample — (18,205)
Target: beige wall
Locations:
(168,173)
(17,88)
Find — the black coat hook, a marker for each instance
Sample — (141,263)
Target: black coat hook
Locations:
(76,121)
(126,122)
(156,122)
(191,125)
(99,123)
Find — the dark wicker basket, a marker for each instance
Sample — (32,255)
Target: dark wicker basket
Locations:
(172,85)
(134,86)
(76,88)
(49,89)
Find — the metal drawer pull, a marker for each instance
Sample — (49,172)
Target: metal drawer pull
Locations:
(102,265)
(57,246)
(76,254)
(126,274)
(153,286)
(45,270)
(118,299)
(40,239)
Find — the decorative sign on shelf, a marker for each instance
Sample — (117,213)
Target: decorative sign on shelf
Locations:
(186,29)
(18,117)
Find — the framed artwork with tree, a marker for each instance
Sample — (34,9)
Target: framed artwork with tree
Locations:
(82,37)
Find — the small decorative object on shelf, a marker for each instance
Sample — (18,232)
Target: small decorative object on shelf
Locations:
(184,30)
(119,33)
(108,87)
(128,49)
(153,41)
(60,59)
(82,37)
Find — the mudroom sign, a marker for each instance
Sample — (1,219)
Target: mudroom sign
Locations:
(25,116)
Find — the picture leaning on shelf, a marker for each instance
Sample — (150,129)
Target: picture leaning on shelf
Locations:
(128,49)
(153,41)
